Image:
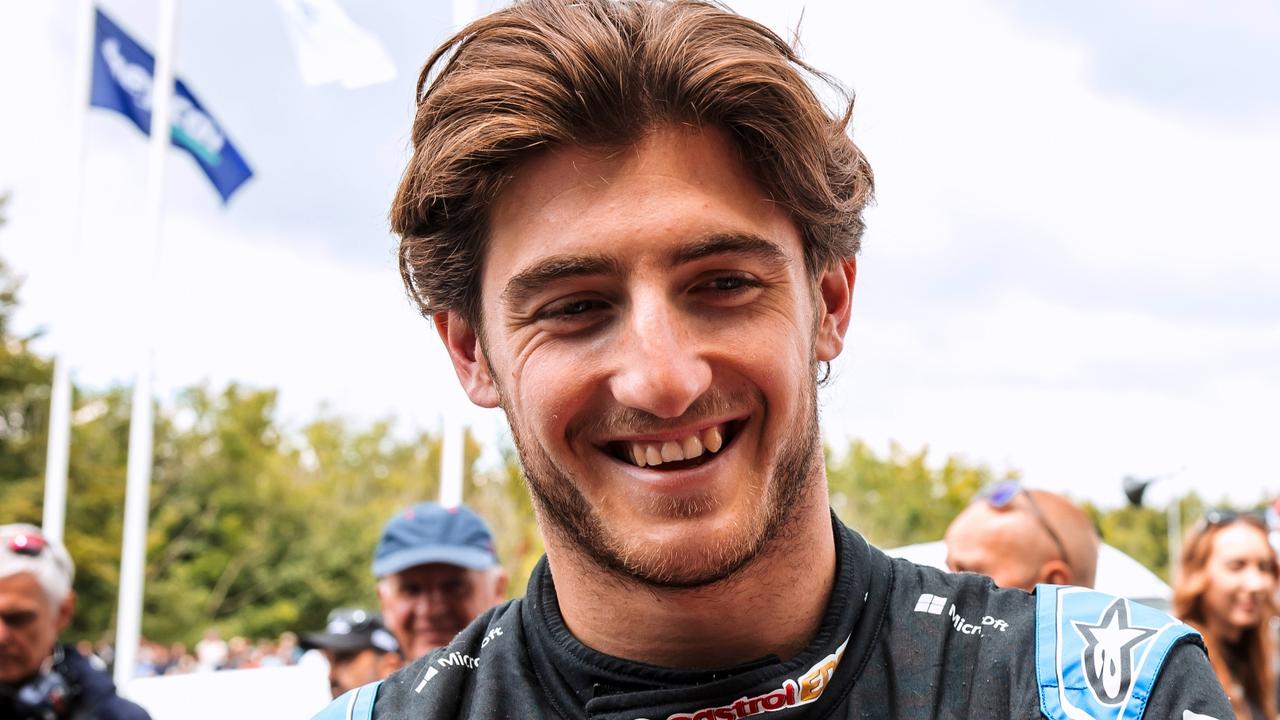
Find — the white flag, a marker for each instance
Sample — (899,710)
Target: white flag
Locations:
(331,48)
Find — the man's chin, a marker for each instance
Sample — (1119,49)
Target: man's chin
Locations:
(680,552)
(687,572)
(12,676)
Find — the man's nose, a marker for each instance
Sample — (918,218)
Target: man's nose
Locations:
(659,367)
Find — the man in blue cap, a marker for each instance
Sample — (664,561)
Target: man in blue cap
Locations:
(437,570)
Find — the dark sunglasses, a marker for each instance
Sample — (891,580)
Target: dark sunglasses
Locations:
(28,544)
(1226,516)
(1002,494)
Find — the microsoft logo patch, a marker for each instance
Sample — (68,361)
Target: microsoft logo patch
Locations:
(930,603)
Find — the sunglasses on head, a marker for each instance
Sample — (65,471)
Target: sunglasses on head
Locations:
(1226,516)
(28,544)
(1001,496)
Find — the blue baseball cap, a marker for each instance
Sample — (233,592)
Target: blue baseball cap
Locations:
(431,533)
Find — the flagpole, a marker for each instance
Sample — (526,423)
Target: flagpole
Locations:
(137,500)
(58,451)
(451,452)
(452,437)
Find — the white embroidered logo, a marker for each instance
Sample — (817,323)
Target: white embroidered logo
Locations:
(930,603)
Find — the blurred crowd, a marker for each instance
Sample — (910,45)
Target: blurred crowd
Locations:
(435,570)
(210,654)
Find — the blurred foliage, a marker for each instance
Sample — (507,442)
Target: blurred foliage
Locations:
(900,499)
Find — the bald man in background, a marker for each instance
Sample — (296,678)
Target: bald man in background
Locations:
(1020,537)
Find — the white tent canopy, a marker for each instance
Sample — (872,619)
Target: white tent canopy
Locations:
(1118,574)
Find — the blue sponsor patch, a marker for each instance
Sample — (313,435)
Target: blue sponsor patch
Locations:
(1097,656)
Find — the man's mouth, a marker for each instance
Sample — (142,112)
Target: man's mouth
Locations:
(676,453)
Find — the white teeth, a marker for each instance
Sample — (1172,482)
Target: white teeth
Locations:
(692,447)
(712,440)
(651,454)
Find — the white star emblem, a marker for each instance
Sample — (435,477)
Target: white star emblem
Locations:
(1108,650)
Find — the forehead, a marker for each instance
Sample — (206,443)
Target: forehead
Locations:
(21,592)
(674,184)
(1240,539)
(429,573)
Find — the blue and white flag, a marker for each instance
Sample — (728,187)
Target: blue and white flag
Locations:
(122,79)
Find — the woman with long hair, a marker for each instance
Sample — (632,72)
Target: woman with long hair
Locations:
(1226,589)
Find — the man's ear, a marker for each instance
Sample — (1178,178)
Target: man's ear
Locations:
(500,585)
(463,344)
(1056,572)
(66,610)
(835,299)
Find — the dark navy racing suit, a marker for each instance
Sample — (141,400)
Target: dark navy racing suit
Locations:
(897,640)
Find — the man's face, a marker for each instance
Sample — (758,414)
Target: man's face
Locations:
(349,669)
(652,333)
(426,605)
(29,626)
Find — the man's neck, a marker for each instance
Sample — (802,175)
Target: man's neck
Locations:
(774,605)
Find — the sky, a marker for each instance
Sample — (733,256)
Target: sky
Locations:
(1072,270)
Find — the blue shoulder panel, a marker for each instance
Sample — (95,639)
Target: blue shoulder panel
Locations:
(1097,656)
(353,705)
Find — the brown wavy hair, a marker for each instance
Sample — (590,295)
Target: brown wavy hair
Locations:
(602,73)
(1188,604)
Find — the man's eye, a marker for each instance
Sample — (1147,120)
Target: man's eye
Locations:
(452,588)
(729,284)
(577,307)
(17,620)
(570,309)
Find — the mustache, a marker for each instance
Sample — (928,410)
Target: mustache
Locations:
(620,420)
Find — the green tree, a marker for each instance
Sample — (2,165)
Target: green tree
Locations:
(900,499)
(499,495)
(25,379)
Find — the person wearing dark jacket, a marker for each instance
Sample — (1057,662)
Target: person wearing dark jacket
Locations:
(634,225)
(41,679)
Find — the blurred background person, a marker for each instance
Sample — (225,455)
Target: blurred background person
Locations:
(41,679)
(437,570)
(1226,589)
(211,651)
(287,648)
(1020,537)
(358,646)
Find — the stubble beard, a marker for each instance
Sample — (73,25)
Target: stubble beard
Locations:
(564,510)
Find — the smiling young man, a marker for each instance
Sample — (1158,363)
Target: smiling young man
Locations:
(634,226)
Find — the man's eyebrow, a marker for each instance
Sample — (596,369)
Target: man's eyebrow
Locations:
(529,282)
(731,244)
